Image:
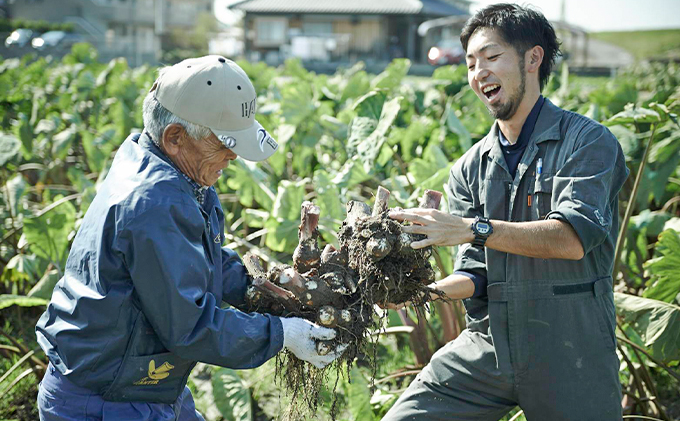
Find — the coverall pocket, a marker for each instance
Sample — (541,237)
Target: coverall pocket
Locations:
(542,196)
(607,319)
(158,378)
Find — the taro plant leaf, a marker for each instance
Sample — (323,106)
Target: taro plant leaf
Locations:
(282,235)
(369,148)
(44,287)
(359,130)
(651,221)
(370,105)
(48,234)
(7,300)
(328,196)
(393,74)
(289,197)
(232,396)
(350,175)
(454,124)
(22,266)
(251,183)
(633,114)
(10,146)
(665,269)
(62,141)
(12,192)
(24,131)
(98,147)
(627,139)
(359,396)
(657,323)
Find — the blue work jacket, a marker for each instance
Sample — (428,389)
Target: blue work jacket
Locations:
(139,302)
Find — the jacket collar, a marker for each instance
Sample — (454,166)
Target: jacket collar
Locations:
(147,143)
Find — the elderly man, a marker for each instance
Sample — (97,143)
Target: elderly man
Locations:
(534,205)
(139,303)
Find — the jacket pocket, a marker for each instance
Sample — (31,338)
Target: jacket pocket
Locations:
(156,378)
(542,196)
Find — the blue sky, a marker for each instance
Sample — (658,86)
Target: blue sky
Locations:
(592,15)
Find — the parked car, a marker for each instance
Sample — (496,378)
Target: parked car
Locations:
(448,51)
(56,40)
(19,38)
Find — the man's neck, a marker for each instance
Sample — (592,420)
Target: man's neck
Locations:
(512,128)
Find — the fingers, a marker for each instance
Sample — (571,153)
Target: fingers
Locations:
(410,217)
(322,333)
(423,243)
(323,360)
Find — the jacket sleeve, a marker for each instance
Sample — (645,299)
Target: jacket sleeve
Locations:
(234,278)
(469,258)
(163,250)
(587,185)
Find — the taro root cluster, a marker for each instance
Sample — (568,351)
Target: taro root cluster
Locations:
(338,288)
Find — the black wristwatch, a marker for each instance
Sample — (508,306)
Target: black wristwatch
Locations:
(482,229)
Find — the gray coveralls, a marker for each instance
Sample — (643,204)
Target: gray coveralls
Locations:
(543,338)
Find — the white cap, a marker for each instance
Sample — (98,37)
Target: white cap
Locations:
(215,92)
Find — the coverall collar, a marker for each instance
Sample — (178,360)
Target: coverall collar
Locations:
(547,127)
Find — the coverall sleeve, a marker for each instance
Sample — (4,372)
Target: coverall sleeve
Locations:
(169,268)
(234,278)
(461,203)
(586,186)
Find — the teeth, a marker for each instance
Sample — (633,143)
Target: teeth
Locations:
(491,88)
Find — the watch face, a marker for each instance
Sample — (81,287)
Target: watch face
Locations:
(483,228)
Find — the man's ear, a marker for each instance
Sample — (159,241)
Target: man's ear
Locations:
(173,138)
(534,58)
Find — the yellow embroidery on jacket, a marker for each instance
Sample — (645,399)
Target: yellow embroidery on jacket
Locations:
(155,374)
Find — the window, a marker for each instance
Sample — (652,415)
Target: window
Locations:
(270,32)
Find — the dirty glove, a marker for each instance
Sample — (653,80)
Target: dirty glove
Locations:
(299,335)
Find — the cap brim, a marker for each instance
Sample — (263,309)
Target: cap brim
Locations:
(253,143)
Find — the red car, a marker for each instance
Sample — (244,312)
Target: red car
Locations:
(448,51)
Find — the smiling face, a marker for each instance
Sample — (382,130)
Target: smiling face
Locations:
(201,159)
(496,73)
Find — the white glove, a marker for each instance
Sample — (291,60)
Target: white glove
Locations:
(299,335)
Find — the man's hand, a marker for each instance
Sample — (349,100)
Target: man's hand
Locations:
(299,337)
(441,228)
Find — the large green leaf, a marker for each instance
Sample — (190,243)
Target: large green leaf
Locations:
(454,124)
(657,323)
(633,114)
(369,148)
(360,397)
(10,146)
(21,267)
(251,183)
(7,300)
(370,105)
(282,235)
(665,269)
(45,286)
(12,193)
(48,234)
(62,141)
(98,147)
(328,196)
(350,175)
(393,74)
(232,397)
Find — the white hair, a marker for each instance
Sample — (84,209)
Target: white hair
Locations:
(157,118)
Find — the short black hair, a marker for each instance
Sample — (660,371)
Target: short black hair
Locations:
(521,27)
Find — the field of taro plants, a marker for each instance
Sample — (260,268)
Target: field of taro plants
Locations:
(342,136)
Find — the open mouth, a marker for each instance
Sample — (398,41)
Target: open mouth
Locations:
(491,91)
